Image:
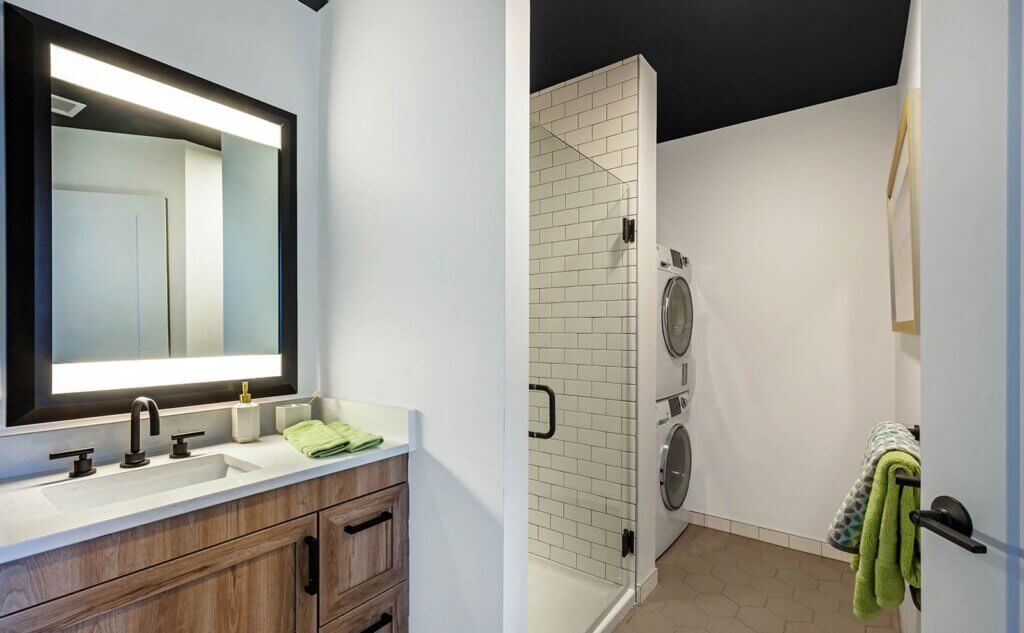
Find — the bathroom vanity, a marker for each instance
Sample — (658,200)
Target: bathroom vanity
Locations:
(328,553)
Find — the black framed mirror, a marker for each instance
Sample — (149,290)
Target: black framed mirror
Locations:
(151,231)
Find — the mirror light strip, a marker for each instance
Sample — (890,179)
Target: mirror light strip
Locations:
(127,374)
(111,80)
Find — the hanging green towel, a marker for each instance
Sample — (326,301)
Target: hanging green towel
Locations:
(313,438)
(889,553)
(357,439)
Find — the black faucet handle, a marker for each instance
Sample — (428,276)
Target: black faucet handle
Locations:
(180,446)
(81,466)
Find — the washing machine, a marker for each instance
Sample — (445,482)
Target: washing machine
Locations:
(675,308)
(675,457)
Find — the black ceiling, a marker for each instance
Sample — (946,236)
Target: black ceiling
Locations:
(721,62)
(316,5)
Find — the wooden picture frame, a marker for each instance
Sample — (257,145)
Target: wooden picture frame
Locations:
(902,210)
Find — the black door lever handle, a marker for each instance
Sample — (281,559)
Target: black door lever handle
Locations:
(949,519)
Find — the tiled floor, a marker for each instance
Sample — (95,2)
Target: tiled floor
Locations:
(724,583)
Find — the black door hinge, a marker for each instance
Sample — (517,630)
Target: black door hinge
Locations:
(628,542)
(628,230)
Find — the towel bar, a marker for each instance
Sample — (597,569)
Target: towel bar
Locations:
(903,479)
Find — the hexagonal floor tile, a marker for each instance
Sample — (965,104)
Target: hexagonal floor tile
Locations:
(743,551)
(837,623)
(705,583)
(820,570)
(757,568)
(803,627)
(790,610)
(730,574)
(685,614)
(761,620)
(716,604)
(816,600)
(744,595)
(797,579)
(728,625)
(772,587)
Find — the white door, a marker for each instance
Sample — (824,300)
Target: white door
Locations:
(971,309)
(109,277)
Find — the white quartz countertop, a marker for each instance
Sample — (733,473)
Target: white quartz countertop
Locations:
(30,523)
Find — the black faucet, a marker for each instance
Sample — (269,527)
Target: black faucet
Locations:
(136,456)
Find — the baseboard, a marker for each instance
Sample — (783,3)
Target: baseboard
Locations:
(782,539)
(647,585)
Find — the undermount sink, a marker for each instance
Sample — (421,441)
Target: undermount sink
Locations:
(92,492)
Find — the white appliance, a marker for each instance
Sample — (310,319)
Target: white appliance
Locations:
(674,469)
(675,306)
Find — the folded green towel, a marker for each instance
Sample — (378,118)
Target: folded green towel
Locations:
(889,552)
(313,438)
(357,439)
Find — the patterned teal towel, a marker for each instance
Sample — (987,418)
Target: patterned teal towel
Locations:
(844,533)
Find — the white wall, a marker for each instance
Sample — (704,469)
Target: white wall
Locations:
(784,221)
(226,42)
(416,233)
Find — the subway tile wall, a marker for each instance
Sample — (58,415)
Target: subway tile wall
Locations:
(583,171)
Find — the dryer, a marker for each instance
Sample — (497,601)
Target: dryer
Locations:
(675,307)
(675,459)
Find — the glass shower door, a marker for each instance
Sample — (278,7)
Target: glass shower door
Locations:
(582,349)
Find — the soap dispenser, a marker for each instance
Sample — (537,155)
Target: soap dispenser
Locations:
(245,418)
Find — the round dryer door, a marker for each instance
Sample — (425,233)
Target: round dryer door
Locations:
(675,467)
(677,316)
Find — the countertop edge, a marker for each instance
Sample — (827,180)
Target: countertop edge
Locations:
(30,547)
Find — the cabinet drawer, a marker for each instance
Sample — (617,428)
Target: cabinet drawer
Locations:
(364,548)
(387,613)
(253,583)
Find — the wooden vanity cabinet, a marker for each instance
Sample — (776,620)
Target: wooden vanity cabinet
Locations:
(244,567)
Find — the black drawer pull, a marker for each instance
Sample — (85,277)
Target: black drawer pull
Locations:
(366,525)
(313,586)
(385,619)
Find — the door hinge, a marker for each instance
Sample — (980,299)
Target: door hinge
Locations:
(628,230)
(628,542)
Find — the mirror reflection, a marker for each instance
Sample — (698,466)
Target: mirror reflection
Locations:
(165,220)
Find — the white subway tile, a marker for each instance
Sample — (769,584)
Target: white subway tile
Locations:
(608,128)
(622,73)
(623,107)
(743,529)
(805,544)
(594,115)
(592,84)
(716,523)
(621,141)
(578,105)
(565,93)
(601,97)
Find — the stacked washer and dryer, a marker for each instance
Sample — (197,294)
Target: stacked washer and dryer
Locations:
(675,395)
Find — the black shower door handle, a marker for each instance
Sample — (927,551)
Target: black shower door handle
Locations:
(550,433)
